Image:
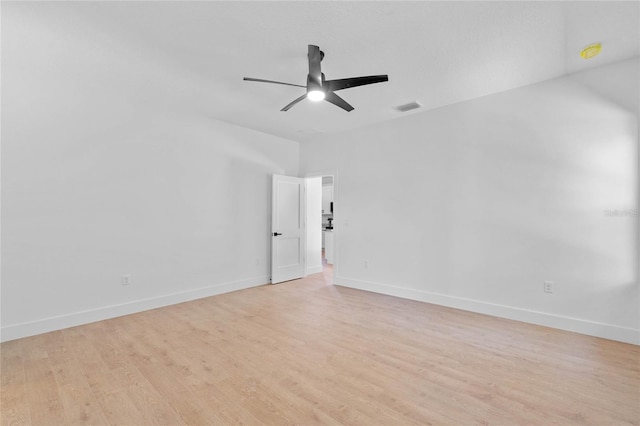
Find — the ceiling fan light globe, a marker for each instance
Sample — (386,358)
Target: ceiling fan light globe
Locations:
(315,95)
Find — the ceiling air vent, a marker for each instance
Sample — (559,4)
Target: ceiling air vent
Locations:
(409,106)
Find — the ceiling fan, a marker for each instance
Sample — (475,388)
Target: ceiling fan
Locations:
(319,89)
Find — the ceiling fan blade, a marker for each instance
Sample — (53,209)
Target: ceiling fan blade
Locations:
(315,72)
(270,81)
(346,83)
(294,102)
(338,101)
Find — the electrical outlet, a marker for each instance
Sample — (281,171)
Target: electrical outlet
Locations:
(126,279)
(548,286)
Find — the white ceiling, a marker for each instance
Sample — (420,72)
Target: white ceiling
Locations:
(437,53)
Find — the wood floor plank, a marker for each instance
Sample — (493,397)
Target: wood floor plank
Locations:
(81,407)
(42,392)
(149,359)
(14,405)
(307,352)
(113,398)
(149,403)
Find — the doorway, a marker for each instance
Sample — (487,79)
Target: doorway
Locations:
(322,210)
(328,252)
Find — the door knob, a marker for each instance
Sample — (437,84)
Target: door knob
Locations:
(275,234)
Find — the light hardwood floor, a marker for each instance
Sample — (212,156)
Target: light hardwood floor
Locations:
(306,352)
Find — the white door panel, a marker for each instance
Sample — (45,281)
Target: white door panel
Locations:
(287,229)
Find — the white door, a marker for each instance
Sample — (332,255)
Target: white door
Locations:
(287,229)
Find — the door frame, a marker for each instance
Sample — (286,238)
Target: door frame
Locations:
(336,214)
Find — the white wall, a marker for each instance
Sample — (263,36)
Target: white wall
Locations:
(108,170)
(314,225)
(474,205)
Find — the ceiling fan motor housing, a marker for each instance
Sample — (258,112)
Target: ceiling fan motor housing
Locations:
(313,83)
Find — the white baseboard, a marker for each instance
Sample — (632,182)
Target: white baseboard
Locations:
(314,270)
(25,329)
(606,331)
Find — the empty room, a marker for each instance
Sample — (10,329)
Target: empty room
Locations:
(332,213)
